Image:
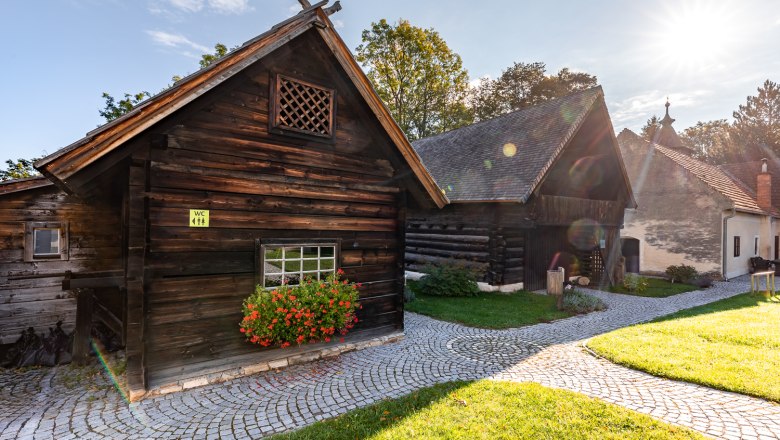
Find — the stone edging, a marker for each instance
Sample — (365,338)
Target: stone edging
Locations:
(214,377)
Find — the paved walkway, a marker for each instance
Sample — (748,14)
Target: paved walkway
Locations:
(42,404)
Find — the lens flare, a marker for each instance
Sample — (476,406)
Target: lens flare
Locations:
(585,234)
(132,407)
(586,172)
(510,149)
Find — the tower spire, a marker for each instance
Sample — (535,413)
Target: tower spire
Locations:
(667,120)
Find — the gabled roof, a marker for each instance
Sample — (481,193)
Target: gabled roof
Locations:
(505,158)
(711,175)
(747,172)
(61,166)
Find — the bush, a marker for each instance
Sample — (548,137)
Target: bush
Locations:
(409,295)
(575,301)
(447,281)
(309,312)
(635,283)
(681,273)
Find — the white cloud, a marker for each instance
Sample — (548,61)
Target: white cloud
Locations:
(476,81)
(641,107)
(175,40)
(230,6)
(187,5)
(338,24)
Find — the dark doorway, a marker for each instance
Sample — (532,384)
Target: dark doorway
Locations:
(630,248)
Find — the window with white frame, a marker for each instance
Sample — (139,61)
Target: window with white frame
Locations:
(291,263)
(45,241)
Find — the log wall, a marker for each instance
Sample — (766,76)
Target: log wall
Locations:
(31,292)
(257,185)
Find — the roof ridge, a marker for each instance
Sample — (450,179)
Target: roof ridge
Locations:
(512,113)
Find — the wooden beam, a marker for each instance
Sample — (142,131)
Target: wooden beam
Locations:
(82,334)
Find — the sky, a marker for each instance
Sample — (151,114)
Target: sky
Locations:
(705,56)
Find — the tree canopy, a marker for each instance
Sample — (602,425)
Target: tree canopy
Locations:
(758,121)
(650,128)
(420,79)
(711,141)
(522,85)
(18,169)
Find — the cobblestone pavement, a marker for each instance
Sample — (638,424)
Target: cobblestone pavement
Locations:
(43,404)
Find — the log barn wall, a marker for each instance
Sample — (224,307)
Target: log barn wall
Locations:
(186,285)
(31,293)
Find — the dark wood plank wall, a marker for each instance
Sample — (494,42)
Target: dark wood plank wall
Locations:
(260,185)
(31,293)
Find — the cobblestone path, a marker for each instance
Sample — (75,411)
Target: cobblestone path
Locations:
(41,404)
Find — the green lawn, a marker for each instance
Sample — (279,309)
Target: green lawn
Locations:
(492,410)
(657,288)
(733,344)
(489,310)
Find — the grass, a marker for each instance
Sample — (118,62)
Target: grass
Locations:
(492,410)
(489,310)
(657,288)
(733,345)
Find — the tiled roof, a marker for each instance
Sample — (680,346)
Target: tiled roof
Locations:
(715,178)
(746,173)
(506,157)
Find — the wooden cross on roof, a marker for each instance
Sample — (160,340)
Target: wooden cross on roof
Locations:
(306,5)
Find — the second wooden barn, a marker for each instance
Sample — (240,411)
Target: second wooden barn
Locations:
(532,190)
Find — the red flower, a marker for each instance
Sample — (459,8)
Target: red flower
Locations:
(340,271)
(327,339)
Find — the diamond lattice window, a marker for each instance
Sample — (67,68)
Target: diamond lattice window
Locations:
(303,107)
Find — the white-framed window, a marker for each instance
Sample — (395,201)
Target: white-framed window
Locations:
(45,241)
(289,262)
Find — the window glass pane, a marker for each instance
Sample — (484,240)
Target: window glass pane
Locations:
(324,274)
(292,266)
(273,267)
(273,281)
(292,279)
(273,253)
(310,265)
(326,263)
(292,252)
(327,251)
(310,252)
(47,241)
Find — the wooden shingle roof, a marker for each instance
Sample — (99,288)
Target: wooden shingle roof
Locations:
(505,158)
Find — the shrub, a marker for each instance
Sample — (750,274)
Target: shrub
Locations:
(309,312)
(575,301)
(682,273)
(447,281)
(409,295)
(635,283)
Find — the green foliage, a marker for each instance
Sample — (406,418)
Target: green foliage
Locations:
(220,50)
(115,109)
(409,295)
(730,344)
(576,302)
(309,312)
(650,128)
(420,79)
(491,409)
(489,310)
(657,288)
(522,85)
(447,281)
(758,121)
(635,283)
(18,170)
(681,273)
(711,141)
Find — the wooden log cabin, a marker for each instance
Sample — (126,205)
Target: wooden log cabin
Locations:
(532,190)
(162,215)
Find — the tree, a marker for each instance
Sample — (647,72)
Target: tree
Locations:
(115,109)
(757,123)
(650,128)
(522,85)
(711,141)
(18,170)
(420,79)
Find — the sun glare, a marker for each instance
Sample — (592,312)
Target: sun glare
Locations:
(695,35)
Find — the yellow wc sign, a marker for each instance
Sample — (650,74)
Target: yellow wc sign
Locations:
(199,218)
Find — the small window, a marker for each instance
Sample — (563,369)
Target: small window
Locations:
(300,107)
(777,247)
(46,241)
(288,263)
(737,250)
(755,245)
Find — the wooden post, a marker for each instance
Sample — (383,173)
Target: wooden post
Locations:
(555,281)
(82,334)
